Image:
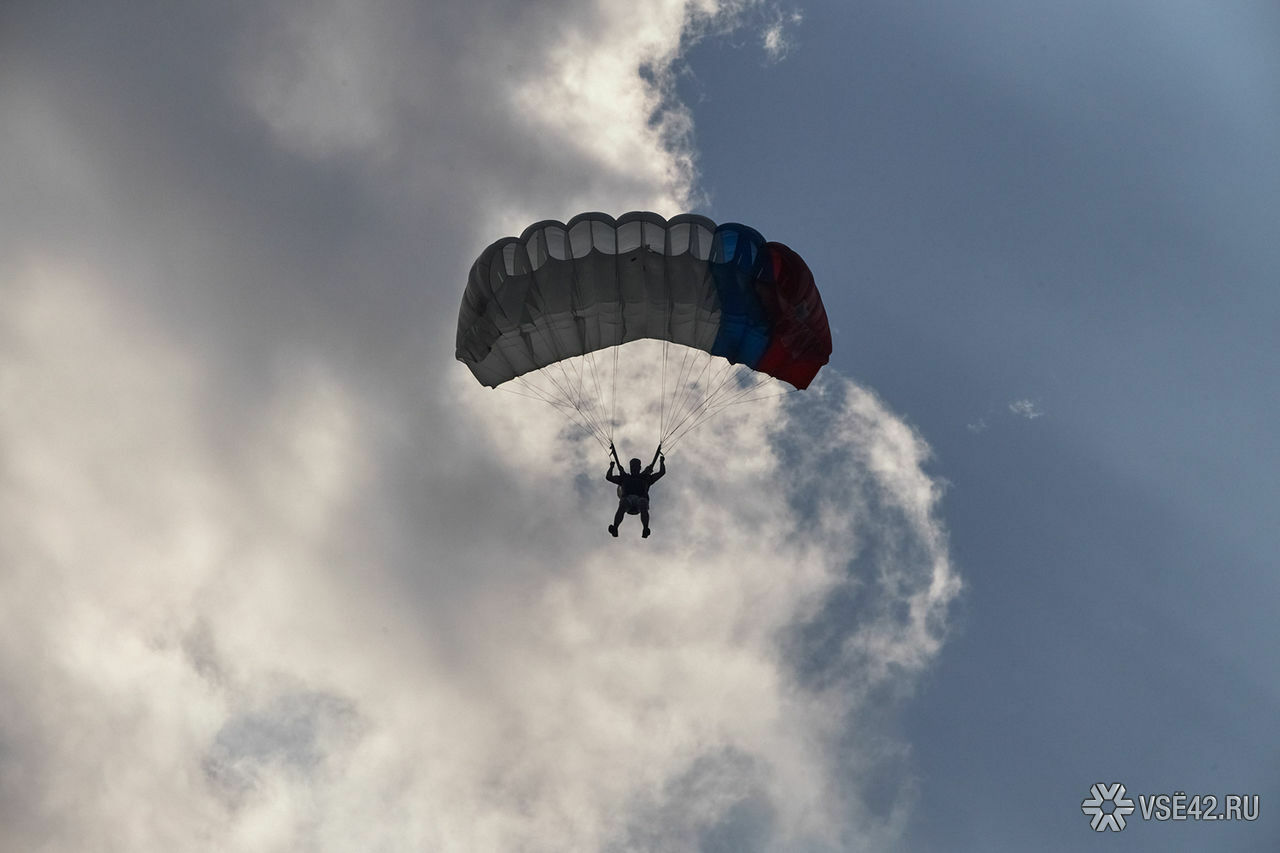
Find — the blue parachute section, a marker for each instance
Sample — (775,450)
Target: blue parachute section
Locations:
(744,324)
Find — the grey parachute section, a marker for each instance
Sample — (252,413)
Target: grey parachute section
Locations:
(563,290)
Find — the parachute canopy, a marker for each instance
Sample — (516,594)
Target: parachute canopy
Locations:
(562,290)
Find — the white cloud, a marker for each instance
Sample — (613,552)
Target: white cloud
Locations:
(1025,409)
(278,575)
(776,38)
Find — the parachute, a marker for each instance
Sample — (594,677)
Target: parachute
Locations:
(546,313)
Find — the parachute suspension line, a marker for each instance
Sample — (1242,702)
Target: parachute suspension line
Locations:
(679,381)
(737,376)
(711,413)
(566,412)
(717,400)
(577,370)
(689,402)
(564,409)
(537,393)
(563,392)
(679,390)
(590,379)
(613,396)
(729,398)
(594,403)
(569,411)
(693,385)
(609,404)
(542,395)
(574,388)
(698,393)
(545,396)
(577,399)
(529,396)
(662,394)
(590,357)
(585,371)
(662,391)
(708,378)
(680,393)
(572,393)
(713,387)
(694,382)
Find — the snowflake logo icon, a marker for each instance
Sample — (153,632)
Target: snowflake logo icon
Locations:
(1096,807)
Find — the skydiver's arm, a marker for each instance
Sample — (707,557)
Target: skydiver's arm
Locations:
(611,477)
(656,455)
(648,469)
(662,469)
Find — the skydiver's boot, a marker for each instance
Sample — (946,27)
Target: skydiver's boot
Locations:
(613,529)
(645,534)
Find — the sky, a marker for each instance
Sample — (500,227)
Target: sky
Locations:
(276,573)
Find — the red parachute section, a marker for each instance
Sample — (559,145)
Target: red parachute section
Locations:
(801,341)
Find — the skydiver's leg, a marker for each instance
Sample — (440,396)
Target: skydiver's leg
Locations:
(644,519)
(617,519)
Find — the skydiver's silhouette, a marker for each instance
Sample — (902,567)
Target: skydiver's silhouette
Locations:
(633,489)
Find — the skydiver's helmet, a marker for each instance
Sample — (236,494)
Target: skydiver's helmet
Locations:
(635,466)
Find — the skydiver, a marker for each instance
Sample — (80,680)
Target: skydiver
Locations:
(633,488)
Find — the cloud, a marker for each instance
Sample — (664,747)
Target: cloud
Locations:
(277,574)
(775,38)
(1025,409)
